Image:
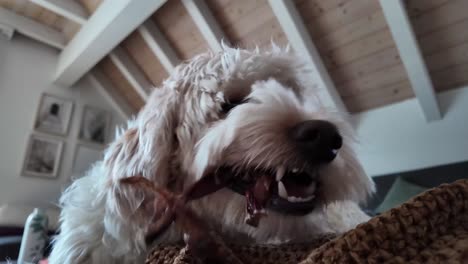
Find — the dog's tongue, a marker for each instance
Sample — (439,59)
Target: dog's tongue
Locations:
(257,198)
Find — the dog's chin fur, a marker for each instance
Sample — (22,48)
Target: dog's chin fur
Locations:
(182,132)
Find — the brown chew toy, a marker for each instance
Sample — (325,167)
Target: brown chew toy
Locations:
(171,208)
(168,205)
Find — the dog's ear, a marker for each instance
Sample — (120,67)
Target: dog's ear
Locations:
(143,149)
(157,124)
(146,147)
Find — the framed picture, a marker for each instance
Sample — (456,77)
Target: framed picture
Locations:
(85,156)
(42,157)
(95,124)
(54,115)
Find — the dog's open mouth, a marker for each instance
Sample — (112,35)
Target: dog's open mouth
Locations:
(288,191)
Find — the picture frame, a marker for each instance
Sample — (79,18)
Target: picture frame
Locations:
(85,156)
(53,115)
(95,125)
(43,156)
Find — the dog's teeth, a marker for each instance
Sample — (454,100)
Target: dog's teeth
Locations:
(282,190)
(294,199)
(261,211)
(280,173)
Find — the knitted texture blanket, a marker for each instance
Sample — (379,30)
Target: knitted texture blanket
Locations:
(430,228)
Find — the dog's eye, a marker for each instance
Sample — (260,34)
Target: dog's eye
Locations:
(229,105)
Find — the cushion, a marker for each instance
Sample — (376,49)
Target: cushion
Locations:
(400,192)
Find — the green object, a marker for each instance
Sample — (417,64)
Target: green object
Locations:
(400,192)
(34,238)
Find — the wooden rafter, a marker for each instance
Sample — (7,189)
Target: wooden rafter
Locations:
(410,54)
(104,87)
(159,45)
(131,72)
(206,23)
(32,29)
(124,63)
(106,28)
(296,32)
(66,8)
(53,38)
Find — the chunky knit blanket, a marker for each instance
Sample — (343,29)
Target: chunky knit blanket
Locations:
(430,228)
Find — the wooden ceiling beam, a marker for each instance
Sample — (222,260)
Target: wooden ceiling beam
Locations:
(47,35)
(66,8)
(159,45)
(206,23)
(103,85)
(32,29)
(124,63)
(299,38)
(105,29)
(411,56)
(131,72)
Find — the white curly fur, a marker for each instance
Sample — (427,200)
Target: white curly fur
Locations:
(181,132)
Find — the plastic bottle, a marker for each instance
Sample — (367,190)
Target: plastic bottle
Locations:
(34,237)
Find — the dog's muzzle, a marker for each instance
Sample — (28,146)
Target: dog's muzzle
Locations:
(285,188)
(292,189)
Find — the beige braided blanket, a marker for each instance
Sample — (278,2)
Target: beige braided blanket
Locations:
(430,228)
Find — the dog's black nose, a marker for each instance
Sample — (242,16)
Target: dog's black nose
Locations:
(318,140)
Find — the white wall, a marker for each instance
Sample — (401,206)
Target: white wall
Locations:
(26,69)
(397,138)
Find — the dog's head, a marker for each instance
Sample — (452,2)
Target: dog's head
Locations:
(241,116)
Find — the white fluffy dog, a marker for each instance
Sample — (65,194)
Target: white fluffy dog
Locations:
(249,114)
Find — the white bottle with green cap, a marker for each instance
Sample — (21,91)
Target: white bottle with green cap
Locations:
(34,237)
